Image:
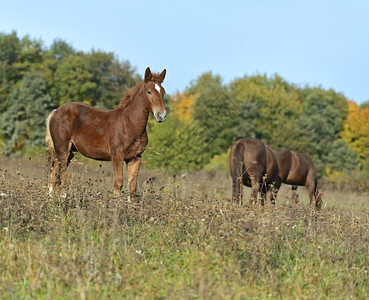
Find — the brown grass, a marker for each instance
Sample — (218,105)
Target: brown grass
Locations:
(182,239)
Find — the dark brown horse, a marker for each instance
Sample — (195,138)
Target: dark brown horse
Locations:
(118,135)
(297,169)
(253,164)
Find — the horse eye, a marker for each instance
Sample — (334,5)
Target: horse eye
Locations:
(149,92)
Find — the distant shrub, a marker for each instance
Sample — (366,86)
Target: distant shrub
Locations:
(219,162)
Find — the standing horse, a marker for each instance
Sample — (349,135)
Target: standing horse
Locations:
(118,135)
(297,169)
(253,164)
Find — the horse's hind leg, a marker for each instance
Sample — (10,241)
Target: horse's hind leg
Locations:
(255,186)
(65,165)
(237,193)
(237,184)
(295,195)
(62,160)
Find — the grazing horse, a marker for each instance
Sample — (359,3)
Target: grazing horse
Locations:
(297,169)
(253,164)
(118,135)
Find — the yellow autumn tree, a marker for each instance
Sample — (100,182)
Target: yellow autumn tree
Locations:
(181,106)
(356,130)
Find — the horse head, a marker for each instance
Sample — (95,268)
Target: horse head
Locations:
(154,93)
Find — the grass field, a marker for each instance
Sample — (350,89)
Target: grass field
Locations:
(183,239)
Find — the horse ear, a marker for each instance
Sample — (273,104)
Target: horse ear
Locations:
(147,75)
(162,75)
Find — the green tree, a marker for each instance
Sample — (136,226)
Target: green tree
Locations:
(60,50)
(364,105)
(9,50)
(214,111)
(73,81)
(111,78)
(268,107)
(23,123)
(341,157)
(97,78)
(29,58)
(320,125)
(177,145)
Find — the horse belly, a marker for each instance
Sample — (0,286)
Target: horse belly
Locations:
(296,177)
(93,148)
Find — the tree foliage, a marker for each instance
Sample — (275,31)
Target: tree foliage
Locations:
(179,143)
(23,122)
(35,79)
(203,121)
(209,116)
(268,107)
(356,129)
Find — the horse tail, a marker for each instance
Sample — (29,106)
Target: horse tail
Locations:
(237,166)
(50,149)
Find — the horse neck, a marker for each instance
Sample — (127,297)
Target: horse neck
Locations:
(138,112)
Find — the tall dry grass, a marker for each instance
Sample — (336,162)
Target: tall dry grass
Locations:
(183,239)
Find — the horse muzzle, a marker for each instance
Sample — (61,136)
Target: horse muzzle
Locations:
(160,116)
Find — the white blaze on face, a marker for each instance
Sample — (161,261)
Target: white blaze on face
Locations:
(157,87)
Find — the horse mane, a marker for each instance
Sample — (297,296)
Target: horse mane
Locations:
(127,98)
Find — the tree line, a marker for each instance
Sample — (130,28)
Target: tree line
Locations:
(209,116)
(34,79)
(203,120)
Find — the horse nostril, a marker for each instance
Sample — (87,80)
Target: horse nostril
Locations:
(160,117)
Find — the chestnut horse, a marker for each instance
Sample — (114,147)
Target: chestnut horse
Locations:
(118,135)
(297,169)
(253,164)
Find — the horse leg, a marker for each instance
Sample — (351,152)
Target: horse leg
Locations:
(237,186)
(311,188)
(64,167)
(62,164)
(132,169)
(295,195)
(54,175)
(117,160)
(267,194)
(58,173)
(274,191)
(254,190)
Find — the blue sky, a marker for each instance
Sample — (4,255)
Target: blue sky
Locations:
(306,42)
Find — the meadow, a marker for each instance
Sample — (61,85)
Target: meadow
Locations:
(182,239)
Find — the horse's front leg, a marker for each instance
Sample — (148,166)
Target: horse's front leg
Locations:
(117,160)
(132,169)
(312,191)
